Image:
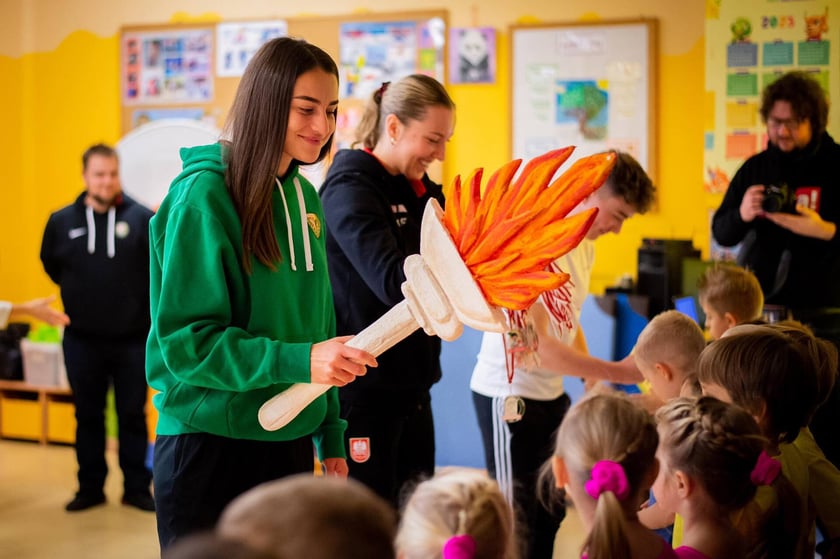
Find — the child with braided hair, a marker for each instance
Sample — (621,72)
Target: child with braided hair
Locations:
(605,459)
(711,458)
(459,513)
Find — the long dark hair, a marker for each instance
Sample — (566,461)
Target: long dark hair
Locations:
(256,130)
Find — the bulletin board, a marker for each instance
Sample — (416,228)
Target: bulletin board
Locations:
(194,97)
(591,85)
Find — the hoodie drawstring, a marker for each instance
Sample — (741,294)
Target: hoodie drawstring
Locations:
(112,219)
(91,241)
(91,230)
(304,226)
(288,225)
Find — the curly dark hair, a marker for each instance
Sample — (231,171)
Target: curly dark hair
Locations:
(631,182)
(806,97)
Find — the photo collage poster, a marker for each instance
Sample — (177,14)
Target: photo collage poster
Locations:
(375,52)
(168,67)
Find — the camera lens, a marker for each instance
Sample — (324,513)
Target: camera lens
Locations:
(771,204)
(774,198)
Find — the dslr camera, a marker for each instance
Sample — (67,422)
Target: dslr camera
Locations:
(779,198)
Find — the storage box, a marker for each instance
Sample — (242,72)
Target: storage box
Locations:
(61,420)
(43,364)
(21,418)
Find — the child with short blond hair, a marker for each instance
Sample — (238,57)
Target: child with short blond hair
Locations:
(459,513)
(666,353)
(729,295)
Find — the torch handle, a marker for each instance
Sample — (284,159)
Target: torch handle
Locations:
(392,327)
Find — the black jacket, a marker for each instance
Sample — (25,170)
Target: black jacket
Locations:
(373,223)
(103,273)
(813,266)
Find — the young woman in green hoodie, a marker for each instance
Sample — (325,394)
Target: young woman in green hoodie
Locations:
(241,303)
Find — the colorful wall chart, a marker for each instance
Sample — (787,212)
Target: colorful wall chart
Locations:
(749,44)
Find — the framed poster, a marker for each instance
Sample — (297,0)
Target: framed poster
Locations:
(472,55)
(591,85)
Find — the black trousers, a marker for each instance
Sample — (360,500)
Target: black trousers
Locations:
(400,445)
(515,453)
(93,365)
(198,474)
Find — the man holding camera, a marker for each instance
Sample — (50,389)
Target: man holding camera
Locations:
(784,204)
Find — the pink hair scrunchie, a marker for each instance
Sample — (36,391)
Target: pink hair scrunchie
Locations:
(459,547)
(766,470)
(608,476)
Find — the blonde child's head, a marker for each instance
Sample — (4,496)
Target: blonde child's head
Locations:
(312,517)
(666,352)
(709,444)
(729,295)
(605,457)
(766,373)
(458,509)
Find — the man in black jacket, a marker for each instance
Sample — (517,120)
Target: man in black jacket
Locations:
(784,205)
(97,251)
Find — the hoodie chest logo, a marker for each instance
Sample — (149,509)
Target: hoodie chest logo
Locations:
(121,229)
(77,232)
(314,224)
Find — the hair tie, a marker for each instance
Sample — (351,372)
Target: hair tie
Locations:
(766,470)
(377,95)
(459,547)
(608,476)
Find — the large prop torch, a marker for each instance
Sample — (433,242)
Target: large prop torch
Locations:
(491,248)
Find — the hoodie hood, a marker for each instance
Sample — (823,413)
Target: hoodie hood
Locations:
(202,158)
(212,158)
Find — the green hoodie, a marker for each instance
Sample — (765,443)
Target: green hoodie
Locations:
(222,342)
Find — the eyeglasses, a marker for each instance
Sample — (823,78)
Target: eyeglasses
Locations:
(790,124)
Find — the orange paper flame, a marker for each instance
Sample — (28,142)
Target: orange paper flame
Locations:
(508,234)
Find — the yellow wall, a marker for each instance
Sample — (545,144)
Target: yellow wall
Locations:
(59,62)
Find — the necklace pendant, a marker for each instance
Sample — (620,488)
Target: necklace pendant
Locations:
(513,408)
